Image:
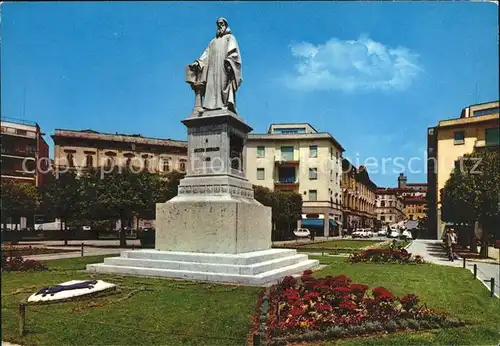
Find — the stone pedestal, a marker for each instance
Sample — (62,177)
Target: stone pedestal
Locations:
(214,229)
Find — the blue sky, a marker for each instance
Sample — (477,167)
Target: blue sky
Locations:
(373,74)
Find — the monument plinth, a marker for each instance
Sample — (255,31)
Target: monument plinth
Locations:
(213,230)
(214,211)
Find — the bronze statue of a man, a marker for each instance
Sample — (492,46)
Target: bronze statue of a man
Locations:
(218,70)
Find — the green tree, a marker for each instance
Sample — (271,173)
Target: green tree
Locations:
(472,193)
(18,200)
(61,198)
(286,208)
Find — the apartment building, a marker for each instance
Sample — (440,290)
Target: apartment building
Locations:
(80,150)
(414,198)
(475,129)
(296,157)
(358,197)
(24,152)
(389,206)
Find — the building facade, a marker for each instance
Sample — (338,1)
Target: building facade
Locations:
(414,198)
(476,128)
(24,152)
(81,150)
(296,157)
(389,206)
(358,198)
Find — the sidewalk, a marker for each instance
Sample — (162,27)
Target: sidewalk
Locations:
(433,252)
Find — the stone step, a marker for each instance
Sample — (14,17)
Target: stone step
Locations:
(264,278)
(197,257)
(252,269)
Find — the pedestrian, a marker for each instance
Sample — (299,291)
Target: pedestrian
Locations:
(451,241)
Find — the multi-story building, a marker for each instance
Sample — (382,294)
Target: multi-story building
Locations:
(389,206)
(81,150)
(24,152)
(476,128)
(358,197)
(296,157)
(414,198)
(84,149)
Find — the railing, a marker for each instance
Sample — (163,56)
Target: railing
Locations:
(17,152)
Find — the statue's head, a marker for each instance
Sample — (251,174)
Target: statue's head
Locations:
(222,27)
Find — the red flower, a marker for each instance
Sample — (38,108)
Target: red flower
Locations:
(322,307)
(381,293)
(291,294)
(296,312)
(308,272)
(311,296)
(409,301)
(342,290)
(288,281)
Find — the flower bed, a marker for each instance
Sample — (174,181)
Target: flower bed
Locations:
(385,256)
(17,263)
(311,309)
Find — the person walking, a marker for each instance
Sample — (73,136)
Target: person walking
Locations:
(451,241)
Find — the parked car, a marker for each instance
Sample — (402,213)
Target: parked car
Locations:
(406,234)
(382,233)
(86,228)
(357,234)
(302,233)
(394,234)
(367,233)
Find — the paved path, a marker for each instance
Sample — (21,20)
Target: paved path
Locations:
(433,252)
(91,248)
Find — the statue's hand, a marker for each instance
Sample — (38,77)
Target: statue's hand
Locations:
(227,66)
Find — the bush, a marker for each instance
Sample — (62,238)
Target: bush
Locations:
(17,263)
(385,256)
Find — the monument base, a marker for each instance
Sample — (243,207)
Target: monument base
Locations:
(256,268)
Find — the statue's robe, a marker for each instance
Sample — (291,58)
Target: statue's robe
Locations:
(221,86)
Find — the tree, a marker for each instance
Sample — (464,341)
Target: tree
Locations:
(61,198)
(18,199)
(286,208)
(472,194)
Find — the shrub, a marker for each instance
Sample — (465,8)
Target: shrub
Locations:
(17,263)
(384,256)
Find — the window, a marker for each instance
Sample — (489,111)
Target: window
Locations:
(382,203)
(146,164)
(261,174)
(166,166)
(390,217)
(21,132)
(70,160)
(182,165)
(90,161)
(492,136)
(313,173)
(260,151)
(287,153)
(459,137)
(31,148)
(313,195)
(313,151)
(487,111)
(290,130)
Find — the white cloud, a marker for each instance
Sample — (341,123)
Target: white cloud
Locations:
(351,65)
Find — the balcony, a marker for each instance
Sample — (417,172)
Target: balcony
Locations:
(286,183)
(483,145)
(286,161)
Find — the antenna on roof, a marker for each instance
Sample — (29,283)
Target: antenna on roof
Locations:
(24,103)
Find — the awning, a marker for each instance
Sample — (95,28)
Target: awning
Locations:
(312,222)
(333,223)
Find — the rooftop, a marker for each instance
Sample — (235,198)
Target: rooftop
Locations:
(117,137)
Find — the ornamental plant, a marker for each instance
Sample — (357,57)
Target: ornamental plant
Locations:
(17,263)
(315,309)
(385,256)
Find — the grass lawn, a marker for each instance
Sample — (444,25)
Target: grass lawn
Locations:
(145,311)
(450,289)
(167,312)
